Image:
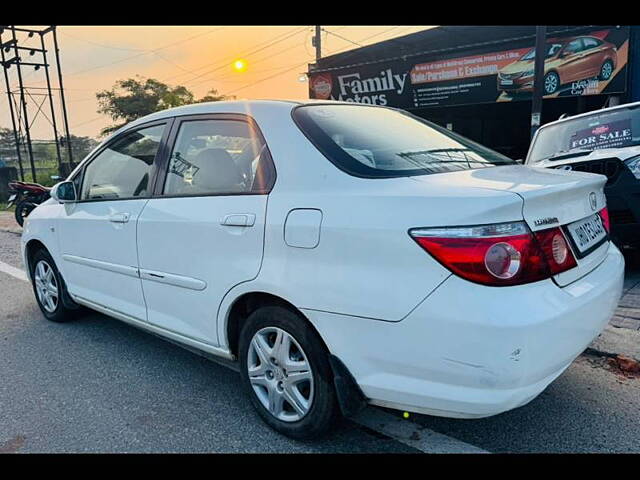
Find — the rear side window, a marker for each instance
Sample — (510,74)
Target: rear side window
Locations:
(215,157)
(123,168)
(380,142)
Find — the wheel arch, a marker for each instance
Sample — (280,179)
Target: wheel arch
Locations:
(247,303)
(30,248)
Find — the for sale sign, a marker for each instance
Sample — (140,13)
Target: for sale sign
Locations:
(606,135)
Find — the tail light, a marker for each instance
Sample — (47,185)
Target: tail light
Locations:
(498,254)
(604,216)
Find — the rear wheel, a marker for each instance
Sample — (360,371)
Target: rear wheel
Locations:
(285,369)
(23,209)
(49,288)
(606,70)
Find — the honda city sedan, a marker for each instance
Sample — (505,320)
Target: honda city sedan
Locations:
(338,255)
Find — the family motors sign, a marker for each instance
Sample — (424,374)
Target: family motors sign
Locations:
(591,63)
(356,87)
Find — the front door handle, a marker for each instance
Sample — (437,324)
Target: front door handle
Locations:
(119,217)
(239,220)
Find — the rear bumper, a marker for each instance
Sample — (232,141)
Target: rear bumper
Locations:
(473,351)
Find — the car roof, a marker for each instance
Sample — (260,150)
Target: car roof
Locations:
(226,106)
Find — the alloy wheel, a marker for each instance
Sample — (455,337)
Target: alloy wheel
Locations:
(550,83)
(606,70)
(46,286)
(280,374)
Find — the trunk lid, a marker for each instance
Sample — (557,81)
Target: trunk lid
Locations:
(550,197)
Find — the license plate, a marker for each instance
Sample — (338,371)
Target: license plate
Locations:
(587,232)
(12,198)
(506,82)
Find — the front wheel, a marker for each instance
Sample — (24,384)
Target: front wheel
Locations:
(551,83)
(49,288)
(285,369)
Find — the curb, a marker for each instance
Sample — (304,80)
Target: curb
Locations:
(620,346)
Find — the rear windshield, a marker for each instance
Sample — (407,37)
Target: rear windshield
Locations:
(605,129)
(381,142)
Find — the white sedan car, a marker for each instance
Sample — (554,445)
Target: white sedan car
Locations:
(337,254)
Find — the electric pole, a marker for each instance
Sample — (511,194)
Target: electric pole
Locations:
(536,99)
(317,42)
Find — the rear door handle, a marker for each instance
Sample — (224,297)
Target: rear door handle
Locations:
(119,217)
(239,220)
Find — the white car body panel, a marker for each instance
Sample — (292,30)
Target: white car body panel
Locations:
(413,335)
(184,238)
(92,246)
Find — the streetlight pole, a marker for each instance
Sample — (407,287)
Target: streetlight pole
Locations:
(536,100)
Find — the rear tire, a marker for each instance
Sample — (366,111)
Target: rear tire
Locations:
(23,209)
(49,288)
(268,380)
(606,70)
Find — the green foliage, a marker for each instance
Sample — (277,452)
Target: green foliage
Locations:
(136,97)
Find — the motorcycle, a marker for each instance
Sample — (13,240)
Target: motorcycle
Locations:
(26,196)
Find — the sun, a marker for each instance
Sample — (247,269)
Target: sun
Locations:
(239,65)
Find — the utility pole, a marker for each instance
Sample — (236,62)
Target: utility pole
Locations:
(317,42)
(61,89)
(21,117)
(536,100)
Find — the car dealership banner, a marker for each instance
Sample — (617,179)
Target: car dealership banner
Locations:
(587,64)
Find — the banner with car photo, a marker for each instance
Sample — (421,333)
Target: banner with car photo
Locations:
(587,64)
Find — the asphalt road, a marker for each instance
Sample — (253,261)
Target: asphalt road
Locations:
(99,385)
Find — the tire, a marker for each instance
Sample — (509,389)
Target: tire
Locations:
(606,70)
(23,209)
(56,310)
(318,403)
(551,83)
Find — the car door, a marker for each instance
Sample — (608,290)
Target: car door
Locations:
(203,231)
(97,234)
(593,56)
(574,63)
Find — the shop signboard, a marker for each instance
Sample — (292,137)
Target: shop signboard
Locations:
(587,64)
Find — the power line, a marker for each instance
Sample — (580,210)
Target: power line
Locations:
(270,42)
(146,52)
(254,62)
(244,53)
(341,37)
(101,44)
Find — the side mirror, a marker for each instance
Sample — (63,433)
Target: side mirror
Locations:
(64,192)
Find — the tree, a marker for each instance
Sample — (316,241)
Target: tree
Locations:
(213,96)
(136,97)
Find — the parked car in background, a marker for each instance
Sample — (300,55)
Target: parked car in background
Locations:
(568,60)
(338,254)
(606,142)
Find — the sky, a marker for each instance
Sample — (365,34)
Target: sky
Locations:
(93,58)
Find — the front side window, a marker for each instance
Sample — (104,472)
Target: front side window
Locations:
(123,169)
(217,157)
(380,142)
